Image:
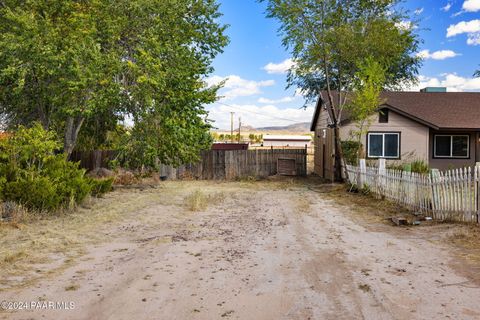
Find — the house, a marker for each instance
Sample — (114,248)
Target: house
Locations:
(286,141)
(441,128)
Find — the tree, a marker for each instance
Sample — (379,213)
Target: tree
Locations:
(72,64)
(365,101)
(327,38)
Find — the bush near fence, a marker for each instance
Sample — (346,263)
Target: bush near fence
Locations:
(450,195)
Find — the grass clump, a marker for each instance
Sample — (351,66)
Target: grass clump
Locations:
(199,201)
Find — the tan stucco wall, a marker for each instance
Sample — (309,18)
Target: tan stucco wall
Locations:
(414,137)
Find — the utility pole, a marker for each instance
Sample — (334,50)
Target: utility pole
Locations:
(231,126)
(239,128)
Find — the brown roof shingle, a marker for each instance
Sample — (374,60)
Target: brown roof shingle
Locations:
(438,110)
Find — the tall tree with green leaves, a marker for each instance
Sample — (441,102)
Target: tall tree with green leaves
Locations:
(79,67)
(327,38)
(365,100)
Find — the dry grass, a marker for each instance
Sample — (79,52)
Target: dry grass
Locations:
(303,203)
(199,200)
(53,242)
(363,207)
(72,287)
(466,238)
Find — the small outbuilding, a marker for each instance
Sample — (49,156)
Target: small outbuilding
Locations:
(271,140)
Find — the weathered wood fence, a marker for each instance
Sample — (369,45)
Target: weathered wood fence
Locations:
(214,164)
(449,195)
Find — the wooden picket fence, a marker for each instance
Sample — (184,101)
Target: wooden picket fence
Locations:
(449,195)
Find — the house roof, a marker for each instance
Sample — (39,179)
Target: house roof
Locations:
(437,110)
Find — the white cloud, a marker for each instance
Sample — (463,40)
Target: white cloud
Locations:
(463,27)
(447,7)
(271,101)
(471,28)
(451,81)
(418,11)
(258,116)
(471,5)
(405,25)
(474,39)
(279,68)
(236,87)
(437,55)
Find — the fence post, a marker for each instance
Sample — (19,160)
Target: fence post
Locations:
(363,172)
(477,190)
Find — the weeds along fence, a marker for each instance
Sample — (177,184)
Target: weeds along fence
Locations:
(214,164)
(450,195)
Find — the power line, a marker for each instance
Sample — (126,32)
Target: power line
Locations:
(258,113)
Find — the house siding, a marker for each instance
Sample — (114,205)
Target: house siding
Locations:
(324,149)
(446,163)
(414,137)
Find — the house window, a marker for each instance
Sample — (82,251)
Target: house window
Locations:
(383,116)
(451,146)
(383,145)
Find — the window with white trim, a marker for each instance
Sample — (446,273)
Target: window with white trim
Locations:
(383,145)
(451,146)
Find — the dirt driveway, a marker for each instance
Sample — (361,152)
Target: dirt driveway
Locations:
(263,250)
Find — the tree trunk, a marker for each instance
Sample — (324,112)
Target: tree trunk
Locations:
(72,128)
(338,155)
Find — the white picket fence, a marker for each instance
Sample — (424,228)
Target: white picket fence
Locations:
(449,195)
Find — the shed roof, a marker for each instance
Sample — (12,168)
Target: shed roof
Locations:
(286,137)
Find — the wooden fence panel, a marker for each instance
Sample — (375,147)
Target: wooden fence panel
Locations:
(213,164)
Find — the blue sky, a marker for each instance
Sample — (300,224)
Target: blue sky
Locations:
(255,62)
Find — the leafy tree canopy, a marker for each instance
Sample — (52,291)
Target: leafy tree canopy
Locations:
(79,67)
(328,39)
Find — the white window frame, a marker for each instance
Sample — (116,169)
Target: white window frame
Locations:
(451,146)
(383,144)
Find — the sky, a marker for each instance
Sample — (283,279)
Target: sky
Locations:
(255,64)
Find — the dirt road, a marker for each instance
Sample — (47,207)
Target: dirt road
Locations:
(255,251)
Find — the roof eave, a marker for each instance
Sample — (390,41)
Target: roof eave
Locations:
(316,114)
(407,115)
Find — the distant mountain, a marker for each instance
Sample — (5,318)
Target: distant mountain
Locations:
(303,127)
(297,127)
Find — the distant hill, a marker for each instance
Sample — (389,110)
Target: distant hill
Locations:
(297,127)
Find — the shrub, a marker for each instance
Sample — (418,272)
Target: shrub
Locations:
(419,166)
(34,176)
(350,151)
(101,186)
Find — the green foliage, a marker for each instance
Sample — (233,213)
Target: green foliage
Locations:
(350,151)
(80,67)
(367,86)
(420,166)
(35,176)
(327,39)
(101,186)
(417,166)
